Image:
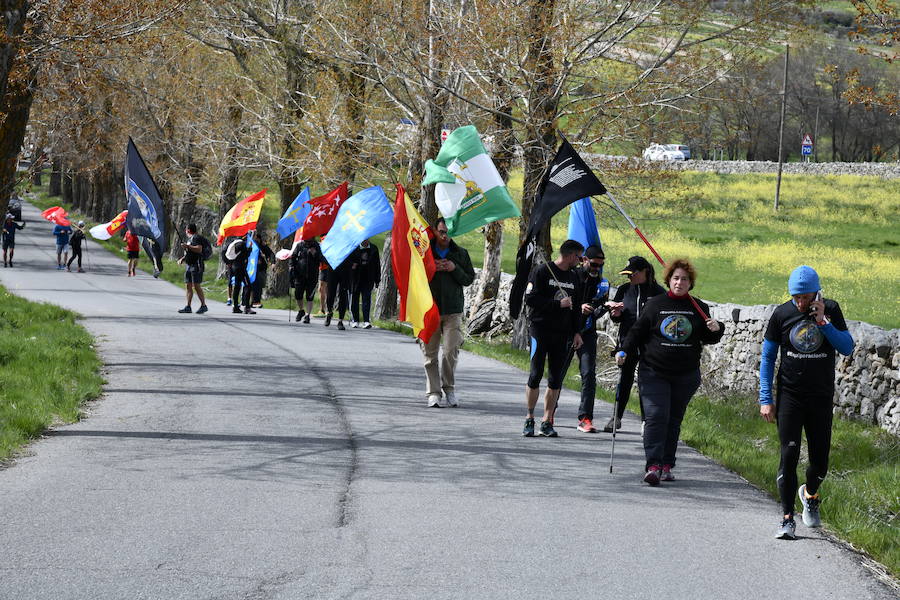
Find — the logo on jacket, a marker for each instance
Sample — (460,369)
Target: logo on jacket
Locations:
(806,337)
(676,328)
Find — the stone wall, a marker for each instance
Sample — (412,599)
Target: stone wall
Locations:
(868,381)
(885,170)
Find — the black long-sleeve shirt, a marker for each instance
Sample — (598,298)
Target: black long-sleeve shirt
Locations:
(543,296)
(633,297)
(672,333)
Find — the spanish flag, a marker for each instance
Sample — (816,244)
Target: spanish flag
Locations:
(413,268)
(242,217)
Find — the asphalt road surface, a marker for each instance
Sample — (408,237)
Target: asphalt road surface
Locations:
(248,457)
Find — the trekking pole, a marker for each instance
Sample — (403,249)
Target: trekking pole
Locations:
(615,423)
(290,302)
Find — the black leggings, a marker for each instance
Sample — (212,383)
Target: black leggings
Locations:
(242,289)
(76,253)
(797,412)
(554,350)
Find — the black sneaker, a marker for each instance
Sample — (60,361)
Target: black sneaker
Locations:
(547,429)
(185,310)
(528,431)
(327,319)
(203,308)
(236,310)
(249,311)
(340,326)
(306,319)
(300,314)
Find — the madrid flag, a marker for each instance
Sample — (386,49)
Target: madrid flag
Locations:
(323,212)
(104,231)
(242,217)
(413,266)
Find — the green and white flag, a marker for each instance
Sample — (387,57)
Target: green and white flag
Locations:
(469,191)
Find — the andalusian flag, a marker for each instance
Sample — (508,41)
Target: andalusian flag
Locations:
(413,268)
(242,217)
(470,192)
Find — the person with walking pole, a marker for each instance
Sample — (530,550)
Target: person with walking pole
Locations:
(304,274)
(672,331)
(595,293)
(552,296)
(78,238)
(805,331)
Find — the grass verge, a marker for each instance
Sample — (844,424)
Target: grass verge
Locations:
(861,495)
(49,369)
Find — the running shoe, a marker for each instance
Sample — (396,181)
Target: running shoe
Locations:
(68,268)
(228,302)
(787,531)
(609,425)
(667,474)
(340,326)
(80,270)
(586,426)
(651,477)
(528,430)
(810,506)
(547,429)
(367,325)
(354,325)
(306,319)
(203,308)
(249,311)
(327,319)
(299,316)
(185,310)
(434,400)
(452,400)
(236,310)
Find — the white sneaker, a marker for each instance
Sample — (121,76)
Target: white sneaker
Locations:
(451,399)
(367,325)
(442,402)
(354,324)
(434,400)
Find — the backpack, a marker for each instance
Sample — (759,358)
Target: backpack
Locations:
(205,248)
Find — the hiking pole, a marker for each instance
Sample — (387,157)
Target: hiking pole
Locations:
(703,315)
(290,302)
(615,427)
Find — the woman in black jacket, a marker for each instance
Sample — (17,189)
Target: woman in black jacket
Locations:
(672,333)
(625,308)
(365,274)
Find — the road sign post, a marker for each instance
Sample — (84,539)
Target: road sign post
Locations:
(806,148)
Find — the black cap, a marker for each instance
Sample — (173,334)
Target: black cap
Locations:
(635,264)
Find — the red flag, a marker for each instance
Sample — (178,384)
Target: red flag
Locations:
(324,211)
(56,214)
(413,266)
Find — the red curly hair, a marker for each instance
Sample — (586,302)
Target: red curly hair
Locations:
(680,263)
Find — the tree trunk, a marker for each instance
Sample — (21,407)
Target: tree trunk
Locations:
(17,105)
(68,193)
(36,177)
(385,307)
(55,186)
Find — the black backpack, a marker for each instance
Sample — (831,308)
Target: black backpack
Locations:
(205,248)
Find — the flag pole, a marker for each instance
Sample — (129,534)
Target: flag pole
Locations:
(652,249)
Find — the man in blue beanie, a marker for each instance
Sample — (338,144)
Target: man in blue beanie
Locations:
(807,329)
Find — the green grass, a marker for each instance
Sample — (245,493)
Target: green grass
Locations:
(861,494)
(48,369)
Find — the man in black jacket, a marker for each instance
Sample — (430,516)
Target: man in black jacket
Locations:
(552,296)
(595,294)
(304,274)
(625,308)
(365,274)
(239,254)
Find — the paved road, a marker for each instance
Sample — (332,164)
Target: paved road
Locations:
(246,457)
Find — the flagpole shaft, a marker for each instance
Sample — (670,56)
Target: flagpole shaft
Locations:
(653,250)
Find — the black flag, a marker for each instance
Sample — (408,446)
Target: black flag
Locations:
(146,218)
(567,179)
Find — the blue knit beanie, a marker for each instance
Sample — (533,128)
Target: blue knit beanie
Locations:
(803,280)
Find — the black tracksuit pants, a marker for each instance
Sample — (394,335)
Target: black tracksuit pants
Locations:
(797,412)
(665,400)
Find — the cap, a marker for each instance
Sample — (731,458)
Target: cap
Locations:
(81,223)
(635,264)
(803,280)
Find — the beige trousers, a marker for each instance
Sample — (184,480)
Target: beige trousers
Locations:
(449,336)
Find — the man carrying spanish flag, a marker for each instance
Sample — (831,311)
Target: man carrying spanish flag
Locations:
(430,280)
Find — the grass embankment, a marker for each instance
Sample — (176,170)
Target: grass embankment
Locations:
(861,495)
(48,369)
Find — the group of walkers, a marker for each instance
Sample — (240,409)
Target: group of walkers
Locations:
(662,333)
(661,336)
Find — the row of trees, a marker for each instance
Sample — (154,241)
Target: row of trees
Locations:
(314,92)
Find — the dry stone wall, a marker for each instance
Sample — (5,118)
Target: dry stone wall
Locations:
(867,382)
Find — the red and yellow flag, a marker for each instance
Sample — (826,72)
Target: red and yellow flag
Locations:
(104,231)
(413,268)
(242,217)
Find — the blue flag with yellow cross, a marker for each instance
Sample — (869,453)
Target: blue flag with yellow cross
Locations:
(295,215)
(361,216)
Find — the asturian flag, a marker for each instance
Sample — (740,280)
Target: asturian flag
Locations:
(146,218)
(583,224)
(253,260)
(363,215)
(295,215)
(469,191)
(413,267)
(104,231)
